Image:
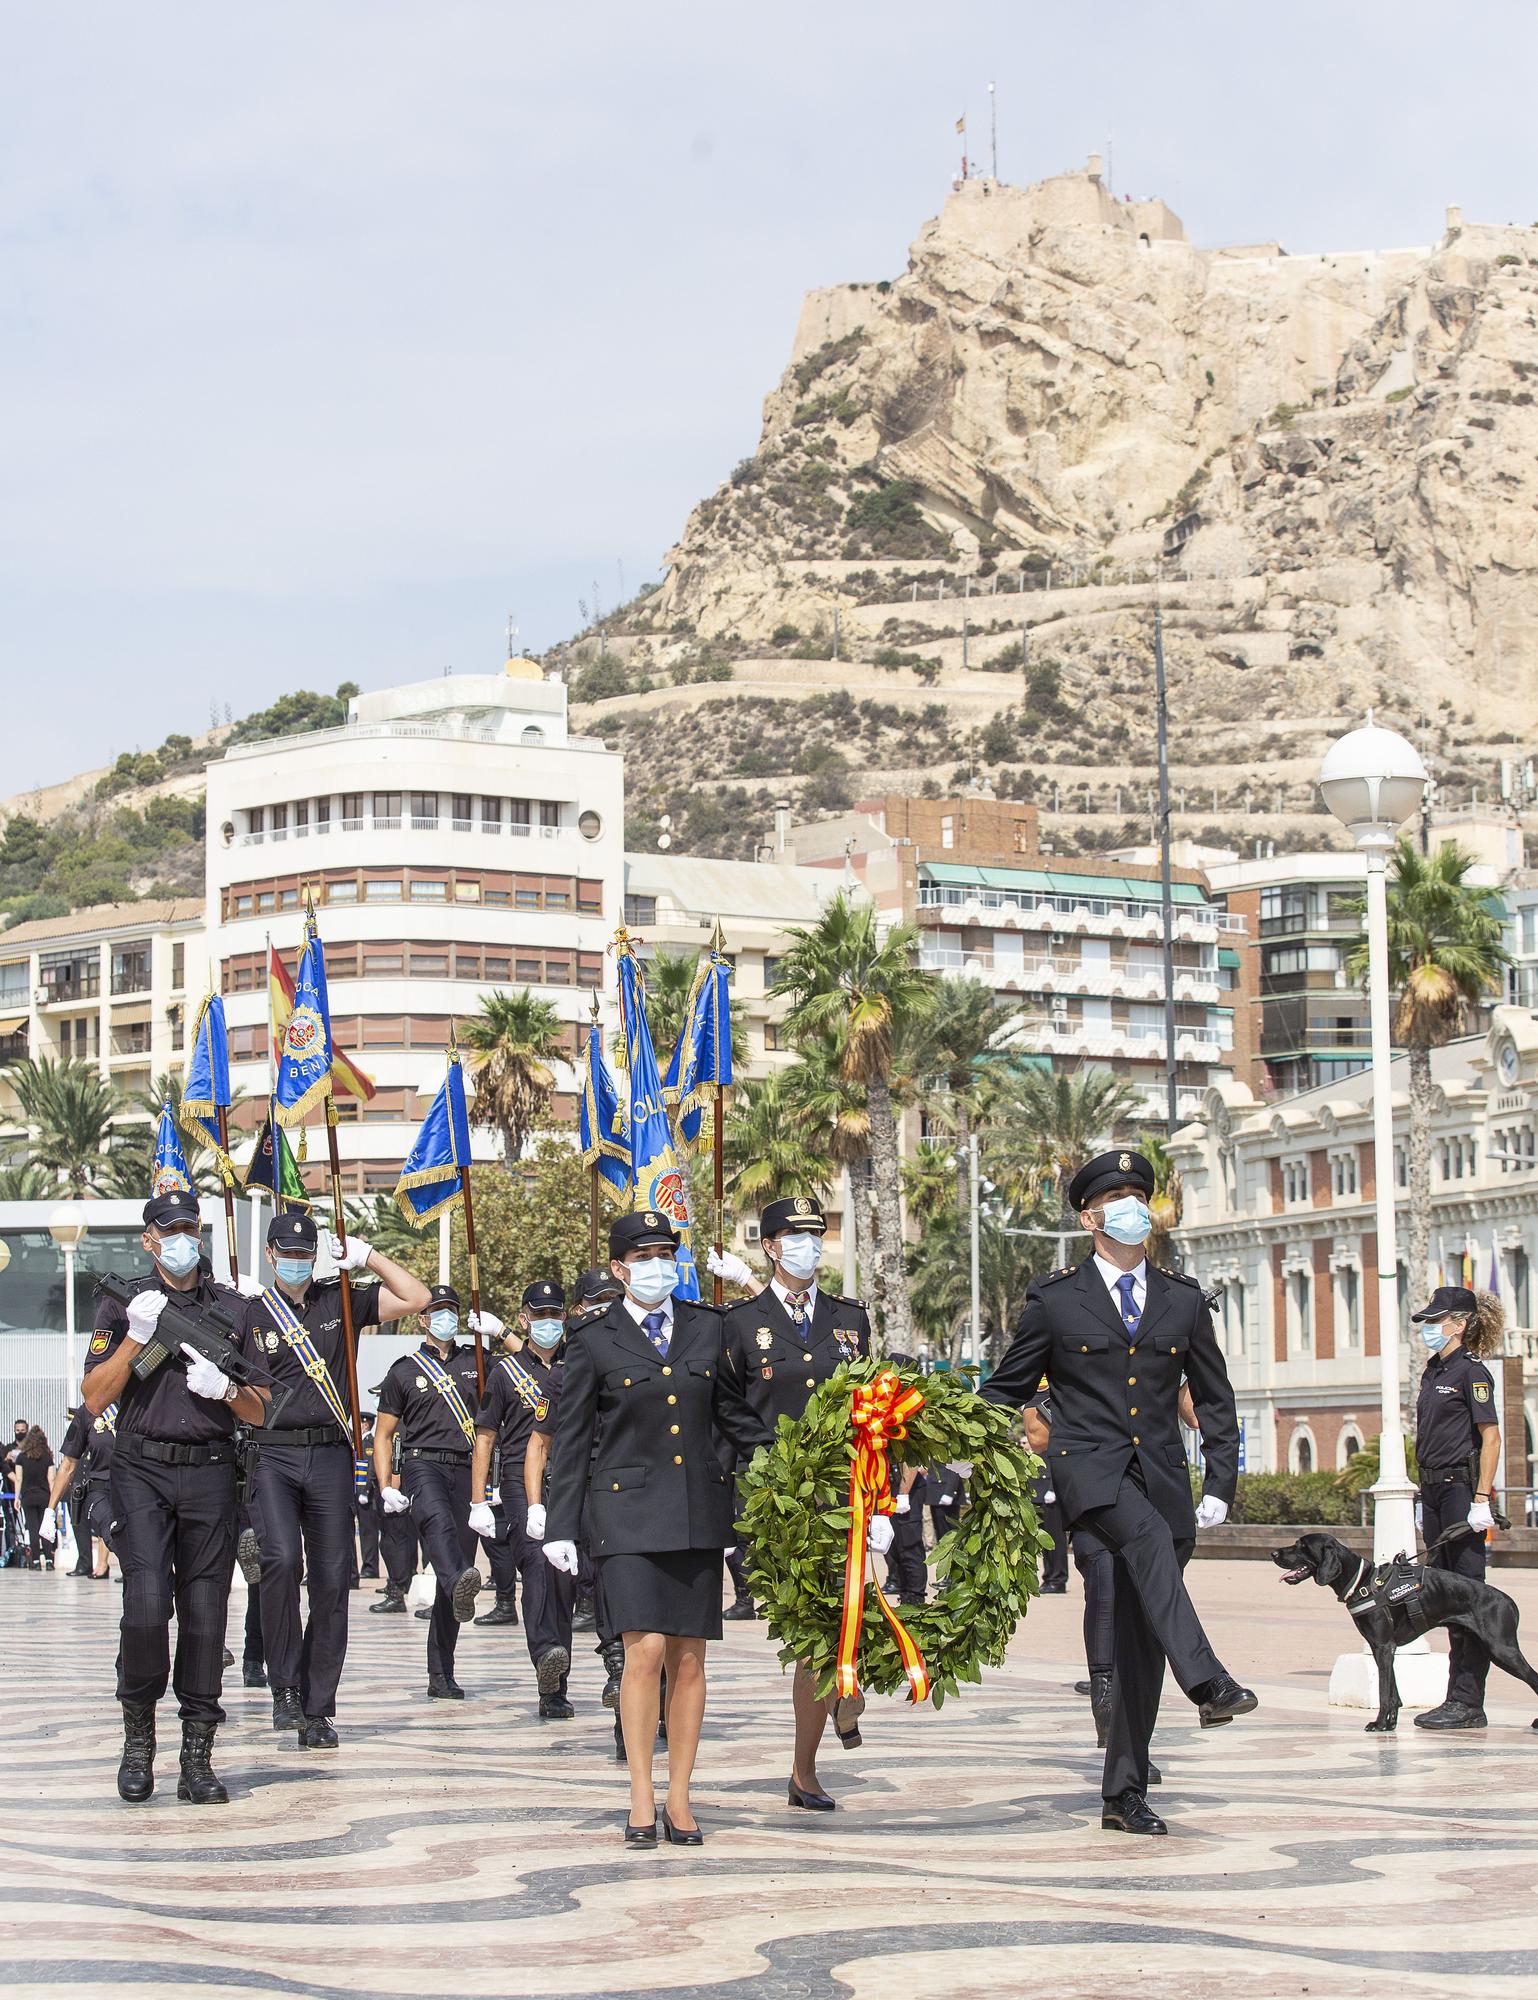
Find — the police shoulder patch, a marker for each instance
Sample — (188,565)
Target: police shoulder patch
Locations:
(101,1340)
(1481,1392)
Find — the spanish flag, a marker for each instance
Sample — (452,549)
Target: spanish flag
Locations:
(347,1080)
(961,124)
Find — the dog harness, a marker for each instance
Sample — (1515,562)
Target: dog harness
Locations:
(1395,1589)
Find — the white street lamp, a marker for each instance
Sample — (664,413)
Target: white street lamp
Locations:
(67,1227)
(1373,781)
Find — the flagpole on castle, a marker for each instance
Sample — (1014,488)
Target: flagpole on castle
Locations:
(475,1269)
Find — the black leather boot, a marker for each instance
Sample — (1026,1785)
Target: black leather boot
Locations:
(136,1772)
(503,1612)
(198,1785)
(286,1712)
(612,1653)
(741,1608)
(583,1618)
(1100,1704)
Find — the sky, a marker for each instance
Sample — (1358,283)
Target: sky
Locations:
(332,334)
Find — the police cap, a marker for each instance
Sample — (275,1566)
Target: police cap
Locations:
(176,1205)
(293,1230)
(1447,1300)
(442,1295)
(595,1284)
(544,1297)
(1109,1170)
(647,1228)
(797,1214)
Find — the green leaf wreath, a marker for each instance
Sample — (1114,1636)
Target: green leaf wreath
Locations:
(794,1510)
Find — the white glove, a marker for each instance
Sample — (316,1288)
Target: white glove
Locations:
(900,1503)
(1211,1512)
(495,1496)
(1048,1497)
(354,1257)
(728,1265)
(48,1528)
(879,1534)
(487,1325)
(1420,1519)
(534,1527)
(394,1501)
(562,1555)
(203,1378)
(144,1308)
(250,1287)
(482,1520)
(1480,1516)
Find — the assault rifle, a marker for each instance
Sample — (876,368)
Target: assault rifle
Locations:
(209,1330)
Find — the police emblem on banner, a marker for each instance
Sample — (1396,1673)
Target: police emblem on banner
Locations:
(303,1035)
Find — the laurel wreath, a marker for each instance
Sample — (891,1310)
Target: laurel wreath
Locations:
(794,1524)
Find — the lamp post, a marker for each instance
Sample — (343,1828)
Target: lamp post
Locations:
(975,1234)
(1373,781)
(67,1227)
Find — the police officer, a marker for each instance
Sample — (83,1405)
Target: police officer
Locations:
(521,1390)
(1113,1338)
(84,1472)
(429,1397)
(780,1344)
(1458,1456)
(366,1506)
(905,1564)
(1049,1509)
(304,1477)
(173,1502)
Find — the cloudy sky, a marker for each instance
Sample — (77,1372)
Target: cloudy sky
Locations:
(332,333)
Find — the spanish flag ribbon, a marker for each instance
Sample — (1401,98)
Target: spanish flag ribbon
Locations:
(879,1411)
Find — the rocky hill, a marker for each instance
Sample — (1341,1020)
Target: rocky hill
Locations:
(976,480)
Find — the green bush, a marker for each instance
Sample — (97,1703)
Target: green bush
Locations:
(784,635)
(1312,1499)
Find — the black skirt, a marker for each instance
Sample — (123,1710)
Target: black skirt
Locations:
(677,1593)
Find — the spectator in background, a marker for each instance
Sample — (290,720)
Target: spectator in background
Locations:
(31,1464)
(13,1449)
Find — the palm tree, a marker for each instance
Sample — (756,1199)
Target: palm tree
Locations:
(24,1180)
(72,1114)
(940,1264)
(1050,1123)
(958,1057)
(846,974)
(832,1117)
(669,979)
(512,1042)
(378,1220)
(1167,1204)
(131,1164)
(1445,957)
(766,1155)
(929,1182)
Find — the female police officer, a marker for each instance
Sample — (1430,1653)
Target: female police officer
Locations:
(1455,1421)
(648,1378)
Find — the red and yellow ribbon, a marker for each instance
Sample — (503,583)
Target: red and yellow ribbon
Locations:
(879,1413)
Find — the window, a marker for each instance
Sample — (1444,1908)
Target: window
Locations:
(557,896)
(947,829)
(532,734)
(467,891)
(1295,1188)
(429,964)
(15,983)
(643,910)
(498,966)
(344,890)
(385,890)
(1521,1286)
(527,969)
(426,891)
(1348,1306)
(527,896)
(549,815)
(178,967)
(590,899)
(491,815)
(1301,1456)
(256,820)
(131,968)
(461,812)
(323,815)
(1343,1175)
(280,822)
(243,906)
(1300,1318)
(771,1036)
(589,825)
(424,811)
(519,813)
(387,964)
(352,811)
(301,817)
(387,809)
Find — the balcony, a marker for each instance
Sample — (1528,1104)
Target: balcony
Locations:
(125,985)
(393,823)
(130,1041)
(1067,975)
(70,992)
(1103,1039)
(1092,916)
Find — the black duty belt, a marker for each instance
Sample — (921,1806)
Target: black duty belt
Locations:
(1444,1473)
(437,1457)
(312,1434)
(161,1452)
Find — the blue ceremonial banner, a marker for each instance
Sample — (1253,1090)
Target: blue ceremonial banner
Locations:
(656,1180)
(206,1091)
(601,1120)
(702,1060)
(429,1181)
(170,1175)
(304,1069)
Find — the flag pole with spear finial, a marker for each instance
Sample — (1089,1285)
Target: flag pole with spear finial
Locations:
(717,946)
(475,1268)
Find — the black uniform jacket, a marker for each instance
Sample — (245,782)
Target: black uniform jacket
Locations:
(657,1480)
(163,1407)
(1116,1397)
(779,1364)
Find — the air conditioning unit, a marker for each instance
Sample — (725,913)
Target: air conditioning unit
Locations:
(40,996)
(750,1231)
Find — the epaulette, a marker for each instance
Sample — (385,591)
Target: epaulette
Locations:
(1053,1277)
(838,1299)
(1183,1278)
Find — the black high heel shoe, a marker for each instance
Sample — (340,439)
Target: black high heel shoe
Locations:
(809,1801)
(677,1835)
(640,1836)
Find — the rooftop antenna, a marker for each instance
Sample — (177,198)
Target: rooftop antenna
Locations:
(961,127)
(993,127)
(512,635)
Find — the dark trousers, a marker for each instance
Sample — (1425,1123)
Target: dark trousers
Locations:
(1444,1502)
(440,1505)
(905,1571)
(1054,1561)
(252,1652)
(96,1517)
(737,1570)
(40,1553)
(175,1542)
(1155,1621)
(549,1595)
(306,1497)
(398,1549)
(1097,1566)
(368,1530)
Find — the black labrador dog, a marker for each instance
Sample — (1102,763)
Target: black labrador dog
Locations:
(1446,1599)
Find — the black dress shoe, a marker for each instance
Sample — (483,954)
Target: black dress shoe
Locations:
(1083,1687)
(1452,1715)
(422,1611)
(640,1836)
(555,1708)
(372,1574)
(1128,1813)
(810,1801)
(1054,1590)
(1222,1699)
(317,1734)
(678,1836)
(444,1687)
(253,1674)
(503,1612)
(551,1668)
(466,1586)
(229,1657)
(741,1609)
(286,1712)
(389,1599)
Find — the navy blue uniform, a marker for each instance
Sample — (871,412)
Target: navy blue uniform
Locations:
(435,1474)
(1456,1405)
(512,1408)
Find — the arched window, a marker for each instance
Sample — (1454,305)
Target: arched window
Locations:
(1300,1455)
(1348,1445)
(533,734)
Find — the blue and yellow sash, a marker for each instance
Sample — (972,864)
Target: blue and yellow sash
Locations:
(310,1357)
(448,1389)
(530,1394)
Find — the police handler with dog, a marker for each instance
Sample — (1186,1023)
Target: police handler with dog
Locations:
(1455,1424)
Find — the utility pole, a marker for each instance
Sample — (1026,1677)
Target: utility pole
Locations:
(993,126)
(1166,888)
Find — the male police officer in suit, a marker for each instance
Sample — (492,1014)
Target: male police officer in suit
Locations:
(1114,1338)
(780,1345)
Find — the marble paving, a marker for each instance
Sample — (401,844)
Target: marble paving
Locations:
(451,1850)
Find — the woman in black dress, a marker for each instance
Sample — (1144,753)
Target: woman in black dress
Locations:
(30,1479)
(646,1379)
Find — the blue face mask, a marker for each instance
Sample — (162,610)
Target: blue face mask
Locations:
(546,1332)
(1127,1220)
(295,1271)
(178,1254)
(443,1325)
(651,1279)
(1434,1335)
